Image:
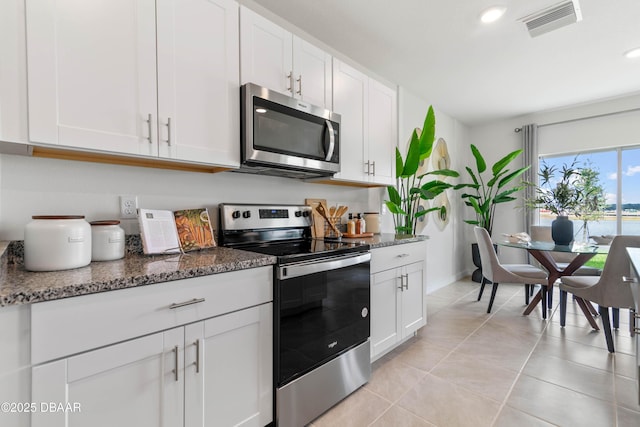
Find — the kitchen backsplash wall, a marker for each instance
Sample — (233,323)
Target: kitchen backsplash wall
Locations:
(32,186)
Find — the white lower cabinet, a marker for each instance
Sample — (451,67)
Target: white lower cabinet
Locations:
(214,372)
(193,352)
(398,300)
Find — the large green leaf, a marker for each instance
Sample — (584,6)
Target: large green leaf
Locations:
(413,157)
(394,209)
(428,134)
(500,164)
(461,186)
(504,181)
(442,172)
(471,221)
(399,163)
(394,196)
(481,165)
(472,175)
(502,197)
(496,178)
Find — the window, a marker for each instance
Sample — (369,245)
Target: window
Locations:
(619,174)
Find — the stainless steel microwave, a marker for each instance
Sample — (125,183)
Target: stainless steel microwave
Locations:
(284,136)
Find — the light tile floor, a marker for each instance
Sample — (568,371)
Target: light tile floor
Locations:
(470,368)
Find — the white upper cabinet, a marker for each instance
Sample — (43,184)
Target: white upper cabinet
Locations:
(109,76)
(198,87)
(368,128)
(272,57)
(351,101)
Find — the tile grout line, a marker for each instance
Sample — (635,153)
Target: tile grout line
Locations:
(520,372)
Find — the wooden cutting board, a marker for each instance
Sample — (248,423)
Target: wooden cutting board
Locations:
(317,229)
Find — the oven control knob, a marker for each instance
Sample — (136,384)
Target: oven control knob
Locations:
(246,214)
(235,214)
(305,214)
(298,214)
(365,312)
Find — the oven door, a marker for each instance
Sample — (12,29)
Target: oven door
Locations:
(322,310)
(281,131)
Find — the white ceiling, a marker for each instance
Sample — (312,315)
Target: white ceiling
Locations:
(475,72)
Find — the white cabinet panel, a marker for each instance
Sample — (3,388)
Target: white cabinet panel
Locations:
(266,53)
(91,74)
(350,100)
(272,57)
(234,385)
(369,126)
(133,383)
(385,326)
(312,72)
(198,90)
(398,299)
(382,134)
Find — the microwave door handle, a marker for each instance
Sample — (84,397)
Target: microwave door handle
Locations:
(332,141)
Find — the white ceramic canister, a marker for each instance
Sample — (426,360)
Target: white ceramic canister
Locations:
(57,242)
(373,222)
(107,240)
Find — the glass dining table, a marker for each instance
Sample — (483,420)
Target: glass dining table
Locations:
(541,251)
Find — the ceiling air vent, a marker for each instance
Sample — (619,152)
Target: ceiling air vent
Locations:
(553,17)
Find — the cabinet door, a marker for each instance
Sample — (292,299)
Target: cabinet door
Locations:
(129,384)
(232,382)
(265,53)
(385,318)
(413,299)
(198,83)
(383,131)
(350,100)
(312,72)
(92,74)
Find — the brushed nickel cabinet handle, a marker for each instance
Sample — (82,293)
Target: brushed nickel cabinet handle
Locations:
(185,303)
(299,80)
(197,362)
(168,125)
(290,78)
(406,282)
(401,287)
(368,172)
(402,255)
(149,127)
(374,168)
(626,279)
(175,370)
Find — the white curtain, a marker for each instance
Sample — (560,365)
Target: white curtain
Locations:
(530,147)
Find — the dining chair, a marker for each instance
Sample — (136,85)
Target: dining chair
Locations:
(542,233)
(495,272)
(608,290)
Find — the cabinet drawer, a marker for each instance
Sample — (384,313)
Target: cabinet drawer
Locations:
(398,255)
(68,326)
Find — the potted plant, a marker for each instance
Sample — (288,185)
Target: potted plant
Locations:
(489,188)
(404,201)
(560,196)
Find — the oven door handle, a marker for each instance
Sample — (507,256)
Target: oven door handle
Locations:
(302,269)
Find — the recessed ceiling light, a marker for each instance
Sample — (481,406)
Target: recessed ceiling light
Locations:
(633,53)
(492,14)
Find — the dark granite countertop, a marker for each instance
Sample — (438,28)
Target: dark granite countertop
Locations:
(387,239)
(19,286)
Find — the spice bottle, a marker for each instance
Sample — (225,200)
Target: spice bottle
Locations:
(351,225)
(359,224)
(363,224)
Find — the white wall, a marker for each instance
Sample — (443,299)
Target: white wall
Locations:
(31,186)
(496,139)
(444,252)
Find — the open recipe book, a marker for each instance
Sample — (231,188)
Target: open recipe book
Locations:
(167,232)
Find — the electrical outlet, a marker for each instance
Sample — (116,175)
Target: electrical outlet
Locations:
(128,206)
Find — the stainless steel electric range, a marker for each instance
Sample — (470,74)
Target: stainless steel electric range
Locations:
(321,307)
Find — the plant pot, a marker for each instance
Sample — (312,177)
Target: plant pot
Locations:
(562,230)
(476,276)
